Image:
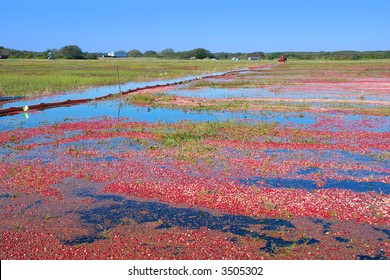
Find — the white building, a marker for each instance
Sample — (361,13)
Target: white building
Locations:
(117,54)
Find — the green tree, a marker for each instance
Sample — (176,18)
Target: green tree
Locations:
(222,55)
(52,53)
(168,53)
(134,53)
(202,53)
(273,55)
(91,55)
(150,53)
(5,51)
(71,52)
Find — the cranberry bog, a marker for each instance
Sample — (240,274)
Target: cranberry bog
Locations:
(283,161)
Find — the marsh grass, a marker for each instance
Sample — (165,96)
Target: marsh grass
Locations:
(177,134)
(142,99)
(148,99)
(187,141)
(28,77)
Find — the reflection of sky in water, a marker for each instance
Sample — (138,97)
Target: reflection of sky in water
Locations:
(110,108)
(92,92)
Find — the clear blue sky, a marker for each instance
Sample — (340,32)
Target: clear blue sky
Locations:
(232,26)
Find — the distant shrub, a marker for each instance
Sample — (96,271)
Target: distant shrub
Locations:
(71,52)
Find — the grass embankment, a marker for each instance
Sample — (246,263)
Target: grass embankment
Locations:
(27,77)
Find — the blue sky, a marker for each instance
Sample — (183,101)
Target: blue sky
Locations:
(232,26)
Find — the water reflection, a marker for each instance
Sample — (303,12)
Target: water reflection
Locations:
(110,108)
(95,92)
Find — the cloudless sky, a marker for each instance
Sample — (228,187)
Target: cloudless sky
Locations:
(232,26)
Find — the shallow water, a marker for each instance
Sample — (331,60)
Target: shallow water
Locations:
(94,92)
(114,109)
(311,185)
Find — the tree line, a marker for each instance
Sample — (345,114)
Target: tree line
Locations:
(75,52)
(66,52)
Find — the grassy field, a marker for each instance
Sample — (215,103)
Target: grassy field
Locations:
(27,77)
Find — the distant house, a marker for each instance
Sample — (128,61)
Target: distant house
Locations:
(235,58)
(254,58)
(117,54)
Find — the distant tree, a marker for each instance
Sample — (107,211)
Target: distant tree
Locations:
(4,50)
(221,55)
(168,53)
(75,52)
(91,55)
(273,55)
(52,53)
(261,55)
(258,54)
(150,53)
(71,52)
(134,53)
(202,53)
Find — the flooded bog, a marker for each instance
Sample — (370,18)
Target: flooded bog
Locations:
(114,179)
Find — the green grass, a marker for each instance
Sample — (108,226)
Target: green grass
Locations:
(178,134)
(187,141)
(28,77)
(142,99)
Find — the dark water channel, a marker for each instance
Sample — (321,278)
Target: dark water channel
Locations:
(113,210)
(105,217)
